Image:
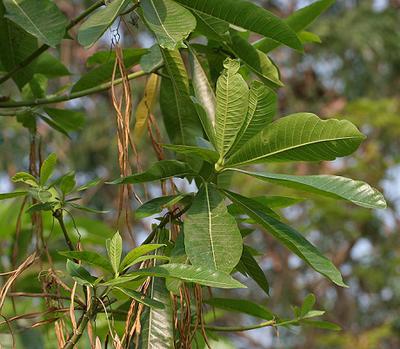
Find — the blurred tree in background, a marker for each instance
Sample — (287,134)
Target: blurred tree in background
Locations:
(354,73)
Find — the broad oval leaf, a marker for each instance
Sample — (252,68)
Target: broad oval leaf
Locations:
(232,102)
(41,18)
(262,108)
(94,27)
(289,237)
(114,250)
(357,192)
(212,237)
(90,257)
(160,170)
(300,137)
(248,16)
(170,22)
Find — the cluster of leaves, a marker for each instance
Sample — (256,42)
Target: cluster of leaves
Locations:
(216,124)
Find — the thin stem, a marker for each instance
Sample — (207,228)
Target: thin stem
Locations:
(269,323)
(28,60)
(70,96)
(58,214)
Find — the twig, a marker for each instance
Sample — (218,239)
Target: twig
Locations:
(270,323)
(58,214)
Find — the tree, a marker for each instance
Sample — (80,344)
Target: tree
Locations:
(218,112)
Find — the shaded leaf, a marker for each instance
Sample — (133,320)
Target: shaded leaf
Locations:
(50,66)
(152,59)
(80,274)
(141,298)
(208,155)
(67,183)
(68,119)
(4,196)
(156,205)
(92,258)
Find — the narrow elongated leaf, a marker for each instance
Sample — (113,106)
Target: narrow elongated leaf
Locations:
(41,18)
(256,60)
(232,102)
(157,324)
(177,256)
(212,27)
(170,22)
(15,45)
(298,21)
(137,252)
(15,194)
(152,59)
(160,170)
(289,237)
(208,155)
(145,106)
(90,257)
(180,117)
(47,168)
(241,306)
(206,123)
(94,27)
(141,298)
(248,16)
(261,110)
(156,205)
(253,270)
(70,120)
(357,192)
(300,137)
(80,274)
(190,273)
(103,73)
(202,87)
(114,250)
(50,66)
(212,237)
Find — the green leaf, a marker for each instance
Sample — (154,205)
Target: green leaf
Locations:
(86,209)
(4,196)
(262,108)
(241,306)
(300,137)
(253,270)
(94,27)
(177,256)
(160,170)
(307,305)
(49,66)
(324,325)
(206,123)
(170,22)
(114,250)
(208,155)
(152,59)
(289,237)
(41,18)
(68,119)
(180,117)
(190,273)
(256,60)
(248,16)
(202,87)
(103,73)
(157,324)
(156,205)
(92,258)
(306,37)
(80,274)
(232,103)
(26,178)
(137,252)
(212,237)
(212,27)
(41,206)
(15,46)
(298,21)
(357,192)
(141,298)
(89,184)
(67,183)
(47,168)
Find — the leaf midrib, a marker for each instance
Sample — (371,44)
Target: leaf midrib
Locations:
(160,21)
(210,225)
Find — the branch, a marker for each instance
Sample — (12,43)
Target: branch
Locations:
(28,60)
(70,96)
(58,214)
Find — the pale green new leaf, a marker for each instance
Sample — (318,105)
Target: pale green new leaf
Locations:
(190,273)
(180,117)
(248,16)
(90,257)
(47,168)
(170,22)
(232,102)
(256,60)
(297,21)
(212,237)
(261,110)
(94,27)
(41,18)
(114,250)
(25,178)
(300,137)
(137,252)
(160,170)
(289,237)
(357,192)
